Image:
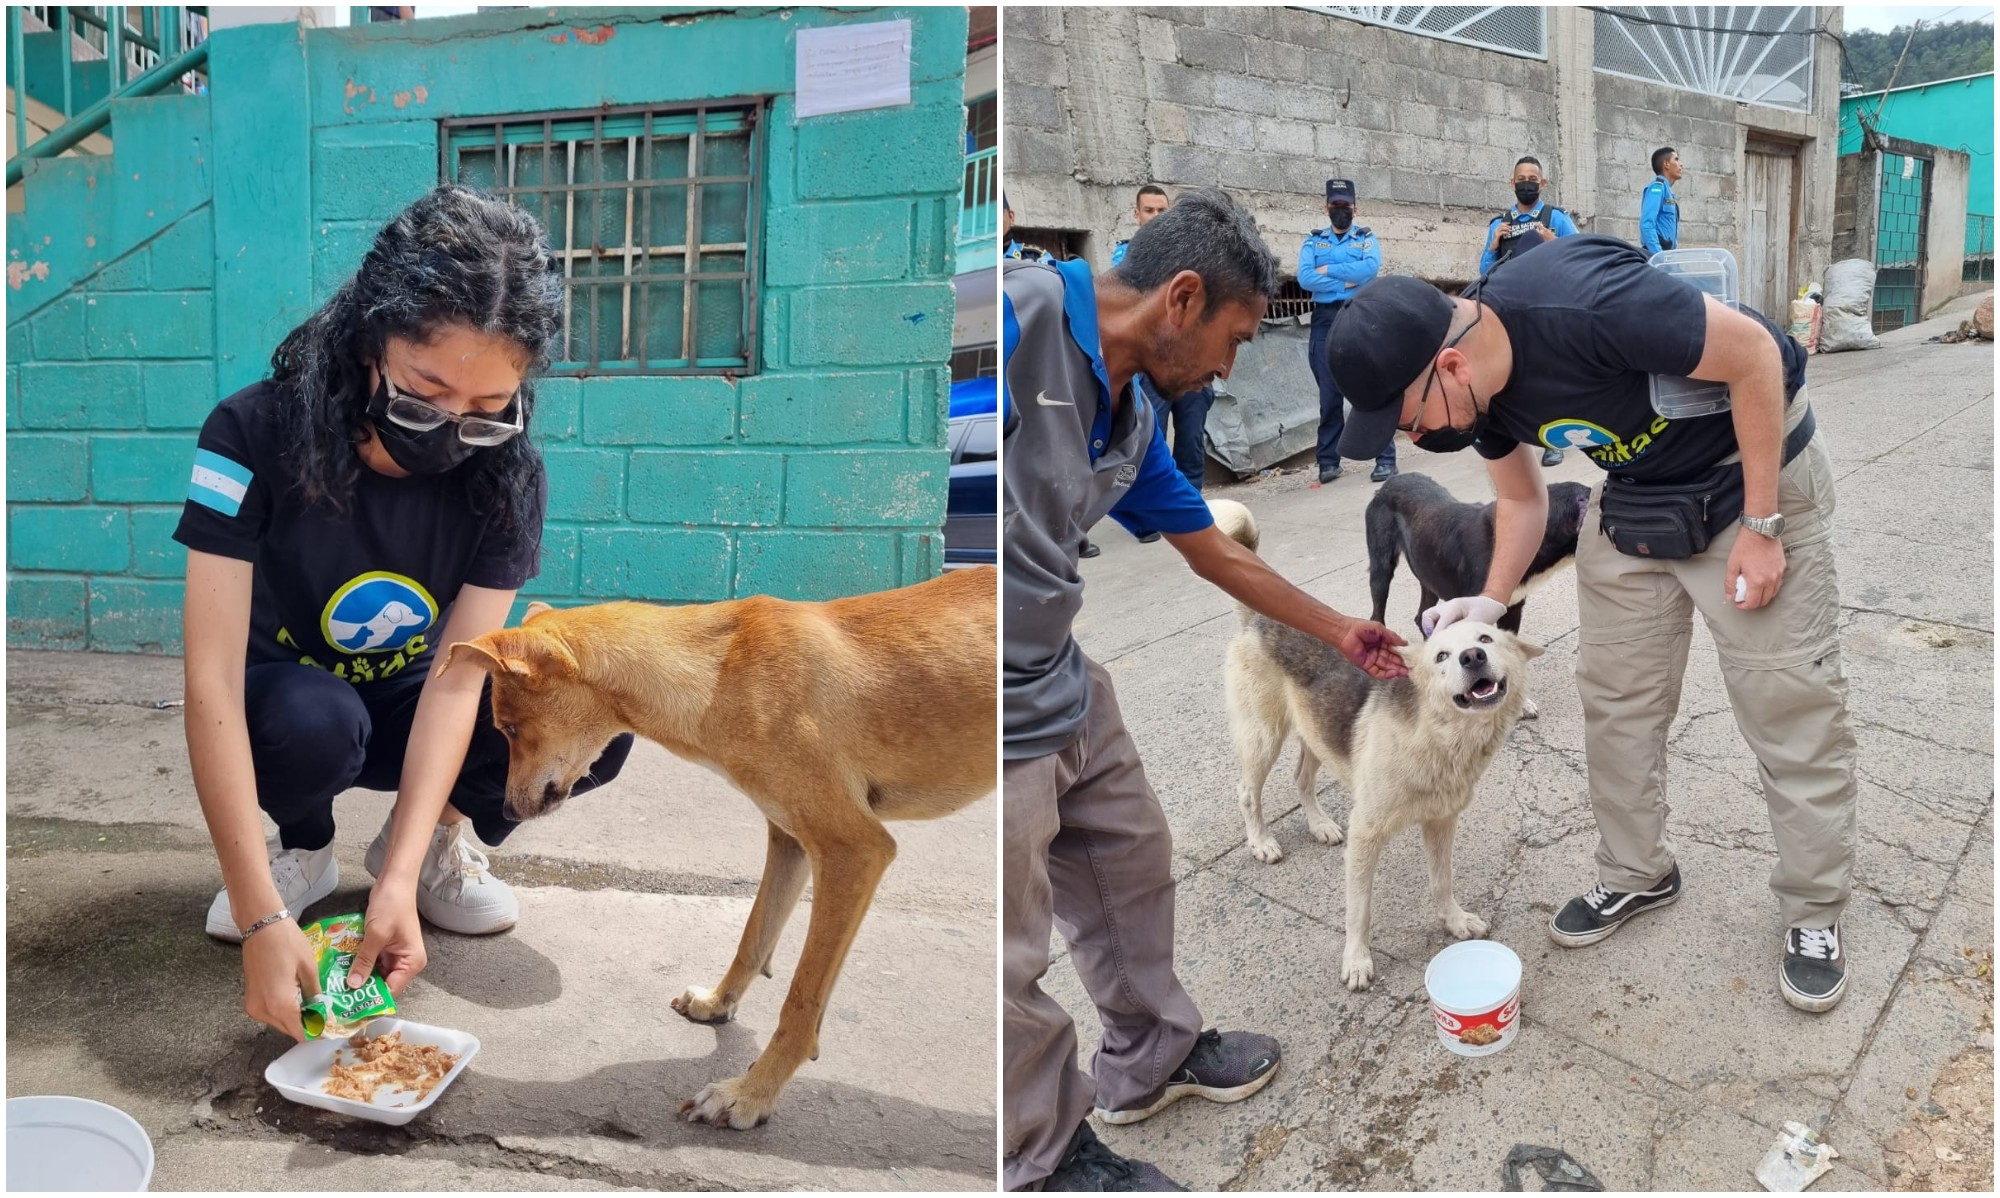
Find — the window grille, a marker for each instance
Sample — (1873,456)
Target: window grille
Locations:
(652,214)
(1757,54)
(1518,29)
(975,362)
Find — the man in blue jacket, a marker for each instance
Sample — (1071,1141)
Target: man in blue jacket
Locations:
(1659,212)
(1334,264)
(1189,412)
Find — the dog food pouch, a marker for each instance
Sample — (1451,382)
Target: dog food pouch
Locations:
(336,1010)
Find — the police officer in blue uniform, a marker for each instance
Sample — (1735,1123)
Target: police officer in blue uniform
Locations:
(1529,223)
(1334,264)
(1025,253)
(1659,212)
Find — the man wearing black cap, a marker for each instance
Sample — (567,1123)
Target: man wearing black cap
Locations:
(1086,846)
(1334,264)
(1730,513)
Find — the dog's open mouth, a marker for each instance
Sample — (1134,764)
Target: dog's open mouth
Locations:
(1483,693)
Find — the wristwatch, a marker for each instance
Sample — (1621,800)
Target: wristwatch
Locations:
(1772,526)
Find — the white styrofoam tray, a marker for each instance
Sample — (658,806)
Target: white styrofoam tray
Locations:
(55,1142)
(301,1073)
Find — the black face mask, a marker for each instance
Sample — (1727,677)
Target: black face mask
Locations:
(432,452)
(1341,218)
(1528,193)
(1451,440)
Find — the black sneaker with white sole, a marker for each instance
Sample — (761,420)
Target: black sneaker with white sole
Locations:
(1222,1067)
(1090,1167)
(1595,914)
(1815,970)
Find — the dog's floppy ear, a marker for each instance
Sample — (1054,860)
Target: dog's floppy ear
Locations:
(484,654)
(521,652)
(1529,649)
(1413,655)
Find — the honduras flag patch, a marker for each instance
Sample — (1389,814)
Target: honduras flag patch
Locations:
(218,482)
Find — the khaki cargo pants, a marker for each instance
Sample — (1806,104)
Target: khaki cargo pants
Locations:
(1781,666)
(1085,847)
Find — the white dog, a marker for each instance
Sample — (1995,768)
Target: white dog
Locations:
(1410,750)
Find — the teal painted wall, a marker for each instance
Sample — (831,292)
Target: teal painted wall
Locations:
(1956,114)
(145,287)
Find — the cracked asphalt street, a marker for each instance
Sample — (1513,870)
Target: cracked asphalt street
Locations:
(1662,1058)
(628,895)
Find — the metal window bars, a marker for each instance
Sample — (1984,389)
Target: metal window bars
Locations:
(653,213)
(1755,54)
(1518,29)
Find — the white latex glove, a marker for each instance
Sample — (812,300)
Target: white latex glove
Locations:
(1470,607)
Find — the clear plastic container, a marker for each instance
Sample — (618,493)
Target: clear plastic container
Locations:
(1711,270)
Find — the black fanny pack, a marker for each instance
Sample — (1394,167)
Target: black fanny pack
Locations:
(1677,520)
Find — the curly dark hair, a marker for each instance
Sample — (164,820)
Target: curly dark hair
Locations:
(454,257)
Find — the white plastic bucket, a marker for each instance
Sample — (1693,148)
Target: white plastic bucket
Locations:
(1475,990)
(55,1142)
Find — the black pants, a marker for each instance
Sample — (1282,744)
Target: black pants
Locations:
(313,735)
(1332,405)
(1190,416)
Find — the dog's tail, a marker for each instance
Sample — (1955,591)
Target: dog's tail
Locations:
(1235,521)
(1384,549)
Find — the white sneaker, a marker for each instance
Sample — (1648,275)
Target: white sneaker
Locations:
(304,877)
(455,891)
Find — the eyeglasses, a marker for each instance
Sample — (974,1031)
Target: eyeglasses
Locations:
(420,415)
(1478,314)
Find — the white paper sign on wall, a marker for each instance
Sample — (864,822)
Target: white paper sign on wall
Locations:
(845,68)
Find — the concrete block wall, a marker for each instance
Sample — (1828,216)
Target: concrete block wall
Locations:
(822,474)
(106,386)
(1269,102)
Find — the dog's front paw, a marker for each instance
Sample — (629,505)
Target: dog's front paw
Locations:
(733,1103)
(1357,969)
(1325,830)
(704,1006)
(1265,848)
(1529,711)
(1464,924)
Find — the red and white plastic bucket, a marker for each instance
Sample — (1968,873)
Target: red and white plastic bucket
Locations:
(1475,991)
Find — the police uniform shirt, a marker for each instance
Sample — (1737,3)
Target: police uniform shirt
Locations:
(1659,216)
(1070,460)
(1524,236)
(1351,257)
(1023,253)
(1589,321)
(363,594)
(1118,251)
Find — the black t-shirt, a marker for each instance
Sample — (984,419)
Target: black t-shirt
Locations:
(364,594)
(1589,321)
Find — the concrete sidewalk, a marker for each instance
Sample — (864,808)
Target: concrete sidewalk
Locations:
(628,895)
(1664,1057)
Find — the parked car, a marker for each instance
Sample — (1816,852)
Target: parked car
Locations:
(972,512)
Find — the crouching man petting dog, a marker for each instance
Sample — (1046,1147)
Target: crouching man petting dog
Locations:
(1087,847)
(1730,514)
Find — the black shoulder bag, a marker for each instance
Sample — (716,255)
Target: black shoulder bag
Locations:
(1678,520)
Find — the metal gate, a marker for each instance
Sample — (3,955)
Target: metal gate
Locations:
(1901,237)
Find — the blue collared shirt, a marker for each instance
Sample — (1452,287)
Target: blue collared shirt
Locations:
(1351,259)
(1559,223)
(1659,216)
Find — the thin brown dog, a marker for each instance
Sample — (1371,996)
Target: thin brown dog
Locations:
(832,717)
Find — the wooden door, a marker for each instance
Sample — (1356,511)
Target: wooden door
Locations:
(1770,222)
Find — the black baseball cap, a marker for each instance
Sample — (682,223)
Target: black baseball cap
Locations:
(1386,336)
(1340,191)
